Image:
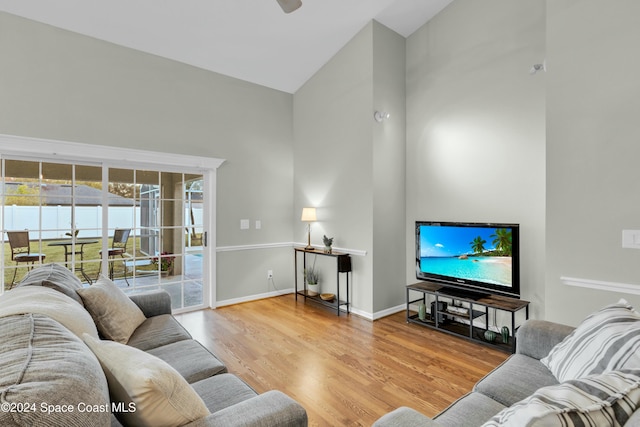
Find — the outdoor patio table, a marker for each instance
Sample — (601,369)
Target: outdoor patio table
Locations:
(68,250)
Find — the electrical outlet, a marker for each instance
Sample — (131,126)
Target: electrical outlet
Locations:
(269,274)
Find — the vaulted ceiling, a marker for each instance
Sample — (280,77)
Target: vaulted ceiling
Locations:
(252,40)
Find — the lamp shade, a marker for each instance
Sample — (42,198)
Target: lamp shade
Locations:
(308,214)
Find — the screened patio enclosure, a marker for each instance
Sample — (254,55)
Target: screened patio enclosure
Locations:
(72,210)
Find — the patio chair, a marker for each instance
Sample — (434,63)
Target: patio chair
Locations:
(118,248)
(21,251)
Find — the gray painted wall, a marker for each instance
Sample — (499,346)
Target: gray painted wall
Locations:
(389,166)
(56,84)
(351,167)
(475,126)
(593,127)
(333,167)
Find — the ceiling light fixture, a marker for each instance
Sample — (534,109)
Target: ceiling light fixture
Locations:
(289,5)
(380,116)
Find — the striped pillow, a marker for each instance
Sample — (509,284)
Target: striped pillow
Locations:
(606,340)
(598,400)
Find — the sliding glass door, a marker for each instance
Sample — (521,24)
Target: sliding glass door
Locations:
(141,227)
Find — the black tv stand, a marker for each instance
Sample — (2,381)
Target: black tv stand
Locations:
(463,294)
(458,315)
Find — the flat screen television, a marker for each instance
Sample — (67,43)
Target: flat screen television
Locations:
(473,258)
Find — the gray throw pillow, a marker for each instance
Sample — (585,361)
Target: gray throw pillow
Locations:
(160,395)
(56,277)
(115,315)
(48,376)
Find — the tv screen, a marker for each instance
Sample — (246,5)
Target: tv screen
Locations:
(476,257)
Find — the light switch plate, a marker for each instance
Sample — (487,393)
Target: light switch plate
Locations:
(631,239)
(244,224)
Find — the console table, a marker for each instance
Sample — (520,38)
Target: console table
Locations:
(343,265)
(460,323)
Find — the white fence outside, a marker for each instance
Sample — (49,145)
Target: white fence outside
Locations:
(56,220)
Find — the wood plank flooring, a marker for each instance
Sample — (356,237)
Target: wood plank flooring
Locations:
(345,371)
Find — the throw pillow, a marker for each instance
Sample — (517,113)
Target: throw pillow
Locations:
(56,277)
(116,316)
(598,400)
(162,397)
(606,340)
(43,368)
(45,301)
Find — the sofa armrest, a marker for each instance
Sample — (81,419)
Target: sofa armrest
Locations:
(404,417)
(153,303)
(536,338)
(272,408)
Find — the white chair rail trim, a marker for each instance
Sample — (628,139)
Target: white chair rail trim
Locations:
(625,288)
(354,252)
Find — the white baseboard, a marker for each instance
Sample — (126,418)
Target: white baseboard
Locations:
(367,315)
(254,297)
(388,312)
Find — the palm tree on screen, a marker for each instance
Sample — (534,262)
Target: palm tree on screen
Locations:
(502,241)
(477,245)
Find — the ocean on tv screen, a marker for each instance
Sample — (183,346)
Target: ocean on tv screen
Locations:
(494,270)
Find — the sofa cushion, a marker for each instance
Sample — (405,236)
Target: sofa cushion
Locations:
(42,300)
(157,331)
(43,365)
(595,400)
(116,316)
(404,416)
(161,396)
(470,410)
(222,391)
(190,359)
(606,340)
(515,379)
(56,277)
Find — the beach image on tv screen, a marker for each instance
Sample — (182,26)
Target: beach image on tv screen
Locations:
(472,253)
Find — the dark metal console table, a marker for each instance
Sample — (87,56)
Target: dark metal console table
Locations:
(343,265)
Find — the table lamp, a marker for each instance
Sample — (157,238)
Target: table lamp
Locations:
(308,215)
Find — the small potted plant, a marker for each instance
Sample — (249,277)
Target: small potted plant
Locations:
(166,263)
(312,278)
(328,241)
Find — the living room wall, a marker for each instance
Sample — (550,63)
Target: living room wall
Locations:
(476,126)
(592,150)
(60,85)
(333,166)
(352,168)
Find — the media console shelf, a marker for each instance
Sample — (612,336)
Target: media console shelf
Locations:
(457,320)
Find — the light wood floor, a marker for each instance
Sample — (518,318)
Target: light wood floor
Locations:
(345,371)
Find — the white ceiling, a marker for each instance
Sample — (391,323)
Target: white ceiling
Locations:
(252,40)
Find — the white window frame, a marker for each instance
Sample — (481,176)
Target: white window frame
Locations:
(116,157)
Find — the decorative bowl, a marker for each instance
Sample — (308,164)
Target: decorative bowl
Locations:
(327,297)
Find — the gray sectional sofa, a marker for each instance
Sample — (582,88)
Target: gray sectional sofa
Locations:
(57,368)
(526,390)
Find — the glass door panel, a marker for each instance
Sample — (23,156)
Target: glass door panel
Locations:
(21,211)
